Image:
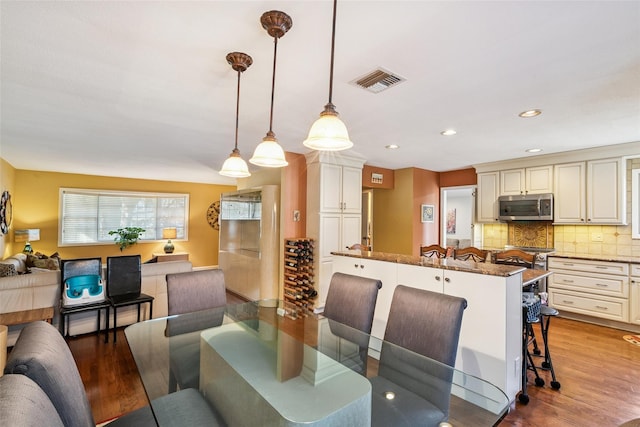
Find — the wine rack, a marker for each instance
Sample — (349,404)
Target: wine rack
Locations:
(299,291)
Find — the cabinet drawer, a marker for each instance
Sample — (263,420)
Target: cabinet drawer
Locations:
(614,286)
(635,270)
(600,306)
(617,268)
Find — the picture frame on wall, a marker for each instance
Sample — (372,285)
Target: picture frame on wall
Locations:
(427,213)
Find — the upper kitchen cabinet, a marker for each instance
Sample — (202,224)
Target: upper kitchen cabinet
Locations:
(534,180)
(487,201)
(341,189)
(591,192)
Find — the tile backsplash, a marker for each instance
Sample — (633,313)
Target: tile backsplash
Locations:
(580,239)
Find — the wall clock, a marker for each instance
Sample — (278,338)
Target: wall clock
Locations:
(213,215)
(6,212)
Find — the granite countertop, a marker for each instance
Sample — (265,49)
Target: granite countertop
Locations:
(445,263)
(590,257)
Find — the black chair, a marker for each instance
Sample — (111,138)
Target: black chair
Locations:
(351,301)
(420,323)
(80,267)
(124,282)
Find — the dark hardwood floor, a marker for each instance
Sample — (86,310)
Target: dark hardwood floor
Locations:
(598,370)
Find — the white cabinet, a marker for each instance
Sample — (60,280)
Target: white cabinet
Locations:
(590,192)
(534,180)
(589,287)
(634,295)
(334,200)
(487,201)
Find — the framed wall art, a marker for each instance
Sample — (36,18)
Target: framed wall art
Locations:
(427,213)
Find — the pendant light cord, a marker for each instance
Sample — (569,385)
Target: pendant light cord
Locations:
(237,110)
(273,83)
(333,44)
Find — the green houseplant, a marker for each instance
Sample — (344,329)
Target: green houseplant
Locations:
(126,236)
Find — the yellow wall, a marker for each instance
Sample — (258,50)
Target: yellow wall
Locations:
(393,216)
(7,173)
(36,206)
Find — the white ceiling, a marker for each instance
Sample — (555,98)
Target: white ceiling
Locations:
(142,89)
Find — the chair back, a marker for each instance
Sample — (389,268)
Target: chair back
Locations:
(15,392)
(42,354)
(195,290)
(433,251)
(80,267)
(515,257)
(351,300)
(470,254)
(426,323)
(124,276)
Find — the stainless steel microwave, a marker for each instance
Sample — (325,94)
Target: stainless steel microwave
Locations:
(527,207)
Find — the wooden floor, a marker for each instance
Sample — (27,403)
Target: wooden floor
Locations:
(599,374)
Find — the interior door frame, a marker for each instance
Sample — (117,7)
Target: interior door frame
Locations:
(443,212)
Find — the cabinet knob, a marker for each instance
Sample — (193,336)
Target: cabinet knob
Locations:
(361,266)
(446,279)
(438,278)
(355,265)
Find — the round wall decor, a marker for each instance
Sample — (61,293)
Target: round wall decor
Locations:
(6,212)
(213,214)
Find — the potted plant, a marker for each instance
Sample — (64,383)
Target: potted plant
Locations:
(126,236)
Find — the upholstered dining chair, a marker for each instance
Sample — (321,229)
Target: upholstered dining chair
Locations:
(193,291)
(351,301)
(470,253)
(426,323)
(42,354)
(433,251)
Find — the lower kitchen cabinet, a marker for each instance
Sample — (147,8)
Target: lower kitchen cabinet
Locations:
(634,295)
(593,288)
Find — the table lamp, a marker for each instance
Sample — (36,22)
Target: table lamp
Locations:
(28,235)
(169,233)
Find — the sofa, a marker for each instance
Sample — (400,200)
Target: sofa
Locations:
(41,288)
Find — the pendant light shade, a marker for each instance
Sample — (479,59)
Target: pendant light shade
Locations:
(269,153)
(235,166)
(329,133)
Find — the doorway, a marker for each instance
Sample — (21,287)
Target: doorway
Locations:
(458,217)
(367,218)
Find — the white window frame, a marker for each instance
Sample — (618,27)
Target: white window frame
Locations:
(153,233)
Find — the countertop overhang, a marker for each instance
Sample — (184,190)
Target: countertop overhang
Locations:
(443,263)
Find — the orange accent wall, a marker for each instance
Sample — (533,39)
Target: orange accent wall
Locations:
(294,195)
(36,206)
(426,190)
(458,178)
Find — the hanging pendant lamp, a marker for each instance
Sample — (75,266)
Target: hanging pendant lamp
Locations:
(269,153)
(235,166)
(329,133)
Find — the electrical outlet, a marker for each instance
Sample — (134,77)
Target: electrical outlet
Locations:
(296,216)
(596,237)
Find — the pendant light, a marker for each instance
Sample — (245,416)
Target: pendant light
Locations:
(329,133)
(269,153)
(235,166)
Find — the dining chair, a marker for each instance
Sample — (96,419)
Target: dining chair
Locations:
(193,291)
(433,251)
(42,354)
(428,324)
(124,285)
(351,301)
(470,253)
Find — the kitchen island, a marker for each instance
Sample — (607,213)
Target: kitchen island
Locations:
(491,333)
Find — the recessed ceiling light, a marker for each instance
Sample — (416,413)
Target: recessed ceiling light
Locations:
(392,146)
(448,132)
(530,113)
(534,150)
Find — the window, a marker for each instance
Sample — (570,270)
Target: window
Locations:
(87,216)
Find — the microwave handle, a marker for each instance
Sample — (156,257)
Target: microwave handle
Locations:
(539,206)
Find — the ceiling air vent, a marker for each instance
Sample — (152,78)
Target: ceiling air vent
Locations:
(377,80)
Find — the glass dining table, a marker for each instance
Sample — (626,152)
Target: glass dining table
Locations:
(256,367)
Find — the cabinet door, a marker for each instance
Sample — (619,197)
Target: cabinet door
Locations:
(351,231)
(606,192)
(487,202)
(634,301)
(512,182)
(330,188)
(570,194)
(351,191)
(539,180)
(427,278)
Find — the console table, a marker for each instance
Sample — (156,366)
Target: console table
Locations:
(26,316)
(176,256)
